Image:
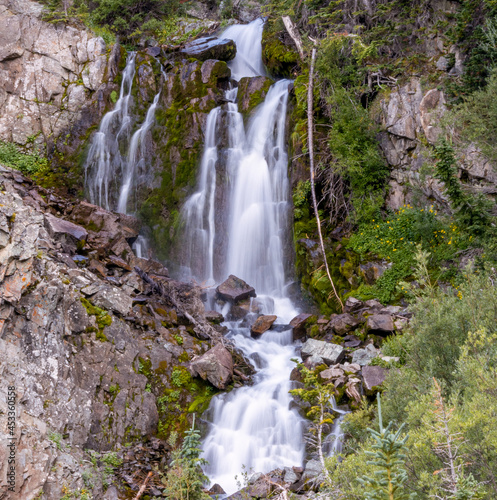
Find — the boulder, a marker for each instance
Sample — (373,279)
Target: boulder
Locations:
(380,323)
(234,290)
(373,377)
(364,356)
(299,325)
(352,304)
(214,317)
(112,299)
(262,324)
(64,231)
(329,353)
(216,366)
(343,323)
(210,48)
(252,91)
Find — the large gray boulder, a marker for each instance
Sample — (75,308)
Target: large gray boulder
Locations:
(216,366)
(331,354)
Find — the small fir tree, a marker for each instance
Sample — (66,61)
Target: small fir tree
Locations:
(185,479)
(388,482)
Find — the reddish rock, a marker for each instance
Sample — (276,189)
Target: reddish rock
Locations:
(262,324)
(299,325)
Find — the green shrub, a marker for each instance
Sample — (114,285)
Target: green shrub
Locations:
(27,163)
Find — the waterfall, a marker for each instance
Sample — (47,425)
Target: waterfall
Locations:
(254,426)
(198,210)
(332,444)
(248,60)
(107,170)
(259,205)
(104,160)
(135,161)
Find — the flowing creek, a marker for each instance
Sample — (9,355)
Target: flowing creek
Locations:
(253,427)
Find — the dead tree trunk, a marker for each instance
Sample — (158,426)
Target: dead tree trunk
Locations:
(310,145)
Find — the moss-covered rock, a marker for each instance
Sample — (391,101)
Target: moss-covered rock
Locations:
(278,51)
(251,92)
(190,91)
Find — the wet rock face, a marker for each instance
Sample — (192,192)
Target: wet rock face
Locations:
(251,92)
(210,48)
(49,72)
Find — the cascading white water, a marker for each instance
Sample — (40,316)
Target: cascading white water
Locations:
(248,60)
(198,210)
(104,158)
(332,445)
(135,161)
(254,426)
(259,205)
(107,171)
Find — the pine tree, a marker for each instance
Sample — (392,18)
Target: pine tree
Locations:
(388,482)
(185,479)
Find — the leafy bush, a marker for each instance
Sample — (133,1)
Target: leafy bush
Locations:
(395,240)
(27,163)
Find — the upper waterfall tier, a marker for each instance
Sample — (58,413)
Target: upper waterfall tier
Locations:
(248,60)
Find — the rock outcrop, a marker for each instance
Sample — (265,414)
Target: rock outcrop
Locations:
(91,346)
(53,77)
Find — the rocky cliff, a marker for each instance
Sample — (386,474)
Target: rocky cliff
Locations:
(55,80)
(98,354)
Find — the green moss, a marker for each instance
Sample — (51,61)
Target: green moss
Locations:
(280,59)
(184,357)
(102,316)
